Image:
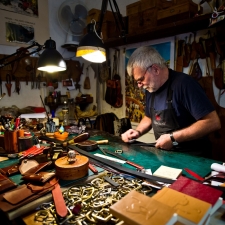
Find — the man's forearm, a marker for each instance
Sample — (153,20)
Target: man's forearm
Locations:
(199,129)
(144,126)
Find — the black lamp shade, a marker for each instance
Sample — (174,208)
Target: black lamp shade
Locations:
(50,59)
(91,47)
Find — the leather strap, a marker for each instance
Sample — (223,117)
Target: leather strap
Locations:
(59,202)
(193,174)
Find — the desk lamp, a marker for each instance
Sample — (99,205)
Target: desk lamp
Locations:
(91,46)
(49,61)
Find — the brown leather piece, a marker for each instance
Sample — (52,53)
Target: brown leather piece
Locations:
(196,71)
(218,78)
(37,168)
(40,177)
(59,201)
(17,195)
(6,183)
(6,206)
(10,170)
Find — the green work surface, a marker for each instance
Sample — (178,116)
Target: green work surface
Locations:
(152,158)
(148,157)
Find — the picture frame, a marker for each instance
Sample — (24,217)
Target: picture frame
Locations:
(135,97)
(22,22)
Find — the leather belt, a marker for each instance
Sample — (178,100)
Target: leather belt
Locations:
(59,201)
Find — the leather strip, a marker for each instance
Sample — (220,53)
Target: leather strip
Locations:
(59,201)
(121,168)
(193,174)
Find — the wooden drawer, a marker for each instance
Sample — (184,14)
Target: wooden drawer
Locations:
(178,12)
(141,21)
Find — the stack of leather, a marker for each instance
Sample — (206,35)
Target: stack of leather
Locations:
(36,184)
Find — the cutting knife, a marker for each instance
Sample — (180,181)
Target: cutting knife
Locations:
(124,159)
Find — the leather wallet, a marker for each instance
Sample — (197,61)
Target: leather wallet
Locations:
(10,170)
(6,183)
(32,166)
(6,206)
(24,192)
(40,177)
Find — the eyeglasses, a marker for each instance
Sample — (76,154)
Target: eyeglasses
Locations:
(141,79)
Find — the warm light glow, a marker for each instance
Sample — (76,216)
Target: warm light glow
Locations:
(50,59)
(51,69)
(92,54)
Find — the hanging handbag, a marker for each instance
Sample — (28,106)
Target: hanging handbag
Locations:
(196,71)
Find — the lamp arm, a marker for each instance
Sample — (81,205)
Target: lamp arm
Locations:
(102,14)
(118,17)
(39,48)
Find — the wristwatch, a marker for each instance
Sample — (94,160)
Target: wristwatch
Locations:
(173,139)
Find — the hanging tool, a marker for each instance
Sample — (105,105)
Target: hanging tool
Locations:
(8,84)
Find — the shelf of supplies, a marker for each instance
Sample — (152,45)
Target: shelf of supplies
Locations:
(179,27)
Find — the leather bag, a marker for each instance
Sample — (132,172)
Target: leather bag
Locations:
(196,71)
(218,78)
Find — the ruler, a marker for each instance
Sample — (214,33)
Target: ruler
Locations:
(110,158)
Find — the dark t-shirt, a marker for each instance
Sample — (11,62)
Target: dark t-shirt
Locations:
(189,99)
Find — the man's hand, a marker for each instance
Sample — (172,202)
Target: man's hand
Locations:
(130,134)
(164,142)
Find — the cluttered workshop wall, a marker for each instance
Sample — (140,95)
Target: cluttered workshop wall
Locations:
(135,97)
(22,22)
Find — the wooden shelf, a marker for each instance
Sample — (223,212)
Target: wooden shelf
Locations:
(167,30)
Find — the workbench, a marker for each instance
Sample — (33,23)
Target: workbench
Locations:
(148,157)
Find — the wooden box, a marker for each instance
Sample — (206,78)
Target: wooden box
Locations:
(140,6)
(164,4)
(84,99)
(110,29)
(133,8)
(142,21)
(95,14)
(177,13)
(148,4)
